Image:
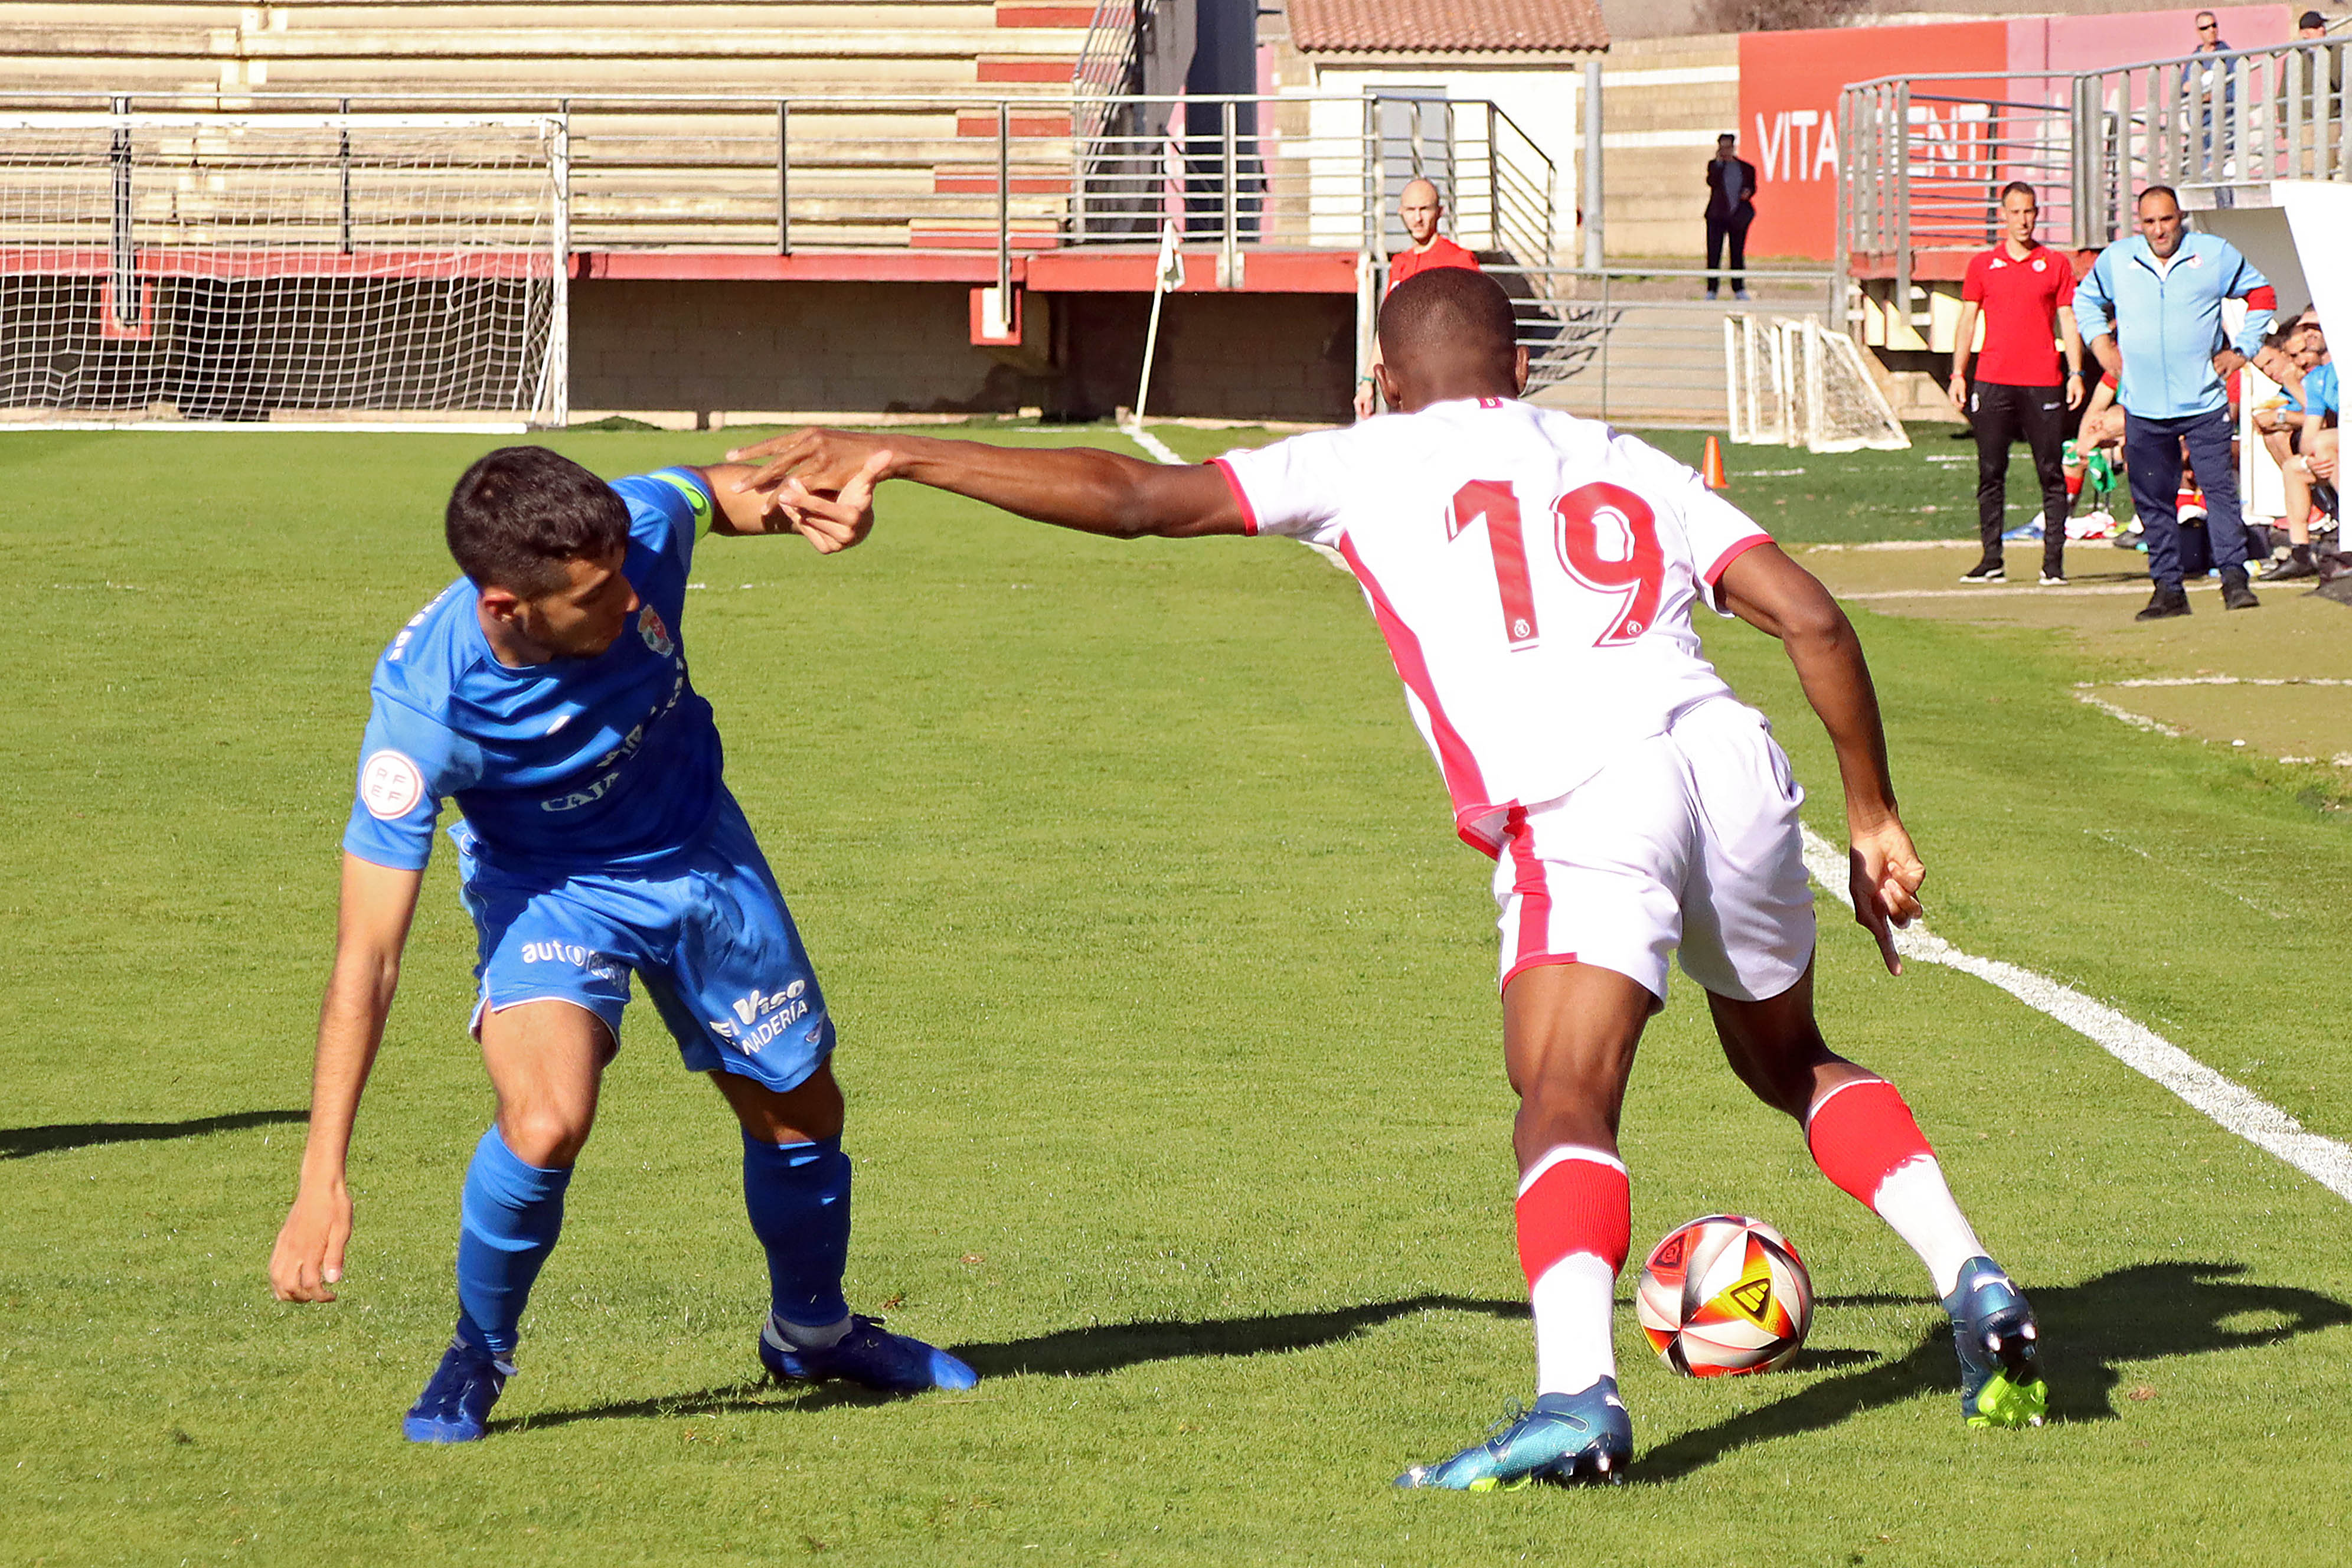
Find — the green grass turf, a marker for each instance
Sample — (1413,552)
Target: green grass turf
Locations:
(1167,1014)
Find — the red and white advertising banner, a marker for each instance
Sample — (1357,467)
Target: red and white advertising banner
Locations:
(1790,84)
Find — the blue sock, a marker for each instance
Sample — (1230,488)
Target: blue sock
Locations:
(798,1195)
(509,1220)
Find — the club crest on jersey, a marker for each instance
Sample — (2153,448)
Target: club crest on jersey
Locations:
(390,785)
(656,635)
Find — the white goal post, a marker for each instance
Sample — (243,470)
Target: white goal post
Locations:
(1789,381)
(339,271)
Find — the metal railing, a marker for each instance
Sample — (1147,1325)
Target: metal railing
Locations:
(1005,174)
(1924,157)
(1641,343)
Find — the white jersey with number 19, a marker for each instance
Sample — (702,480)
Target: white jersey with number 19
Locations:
(1533,574)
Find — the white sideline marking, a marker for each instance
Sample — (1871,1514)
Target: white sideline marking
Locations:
(1159,450)
(2136,720)
(2124,844)
(2230,1105)
(2224,680)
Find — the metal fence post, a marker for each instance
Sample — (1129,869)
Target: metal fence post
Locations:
(1605,335)
(1902,192)
(343,168)
(1229,257)
(1004,205)
(784,180)
(559,327)
(1589,197)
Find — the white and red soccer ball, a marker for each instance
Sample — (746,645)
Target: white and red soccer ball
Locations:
(1724,1295)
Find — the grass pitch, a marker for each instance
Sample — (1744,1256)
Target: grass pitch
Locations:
(1167,1021)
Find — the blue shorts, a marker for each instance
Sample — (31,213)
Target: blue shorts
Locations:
(708,934)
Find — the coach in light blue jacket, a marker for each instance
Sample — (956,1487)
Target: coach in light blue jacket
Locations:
(2161,294)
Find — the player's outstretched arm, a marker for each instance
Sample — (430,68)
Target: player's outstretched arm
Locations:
(1080,488)
(371,929)
(1775,594)
(831,519)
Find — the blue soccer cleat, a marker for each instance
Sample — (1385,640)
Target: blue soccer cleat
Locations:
(455,1405)
(892,1363)
(2000,1364)
(1564,1439)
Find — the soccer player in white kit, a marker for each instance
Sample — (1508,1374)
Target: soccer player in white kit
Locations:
(1534,576)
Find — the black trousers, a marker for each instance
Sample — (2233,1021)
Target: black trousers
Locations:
(1734,230)
(2002,414)
(2152,448)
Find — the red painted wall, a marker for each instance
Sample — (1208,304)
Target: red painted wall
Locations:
(1788,88)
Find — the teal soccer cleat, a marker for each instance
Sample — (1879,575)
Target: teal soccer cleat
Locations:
(1564,1439)
(2001,1361)
(892,1363)
(455,1405)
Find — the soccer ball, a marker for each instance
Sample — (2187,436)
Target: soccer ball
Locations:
(1724,1295)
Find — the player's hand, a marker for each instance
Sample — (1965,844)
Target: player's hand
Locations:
(1957,389)
(832,523)
(825,462)
(2228,361)
(1367,400)
(309,1257)
(1885,876)
(2078,391)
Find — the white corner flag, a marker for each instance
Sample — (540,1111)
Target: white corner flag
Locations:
(1171,274)
(1168,275)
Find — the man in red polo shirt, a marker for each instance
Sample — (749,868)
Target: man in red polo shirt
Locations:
(1419,208)
(2025,292)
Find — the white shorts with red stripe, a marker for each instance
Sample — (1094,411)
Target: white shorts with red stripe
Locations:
(1688,839)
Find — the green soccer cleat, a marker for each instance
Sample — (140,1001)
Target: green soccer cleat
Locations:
(2000,1360)
(1564,1439)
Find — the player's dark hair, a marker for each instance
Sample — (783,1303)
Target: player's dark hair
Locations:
(2015,186)
(2277,336)
(1450,311)
(522,512)
(2157,191)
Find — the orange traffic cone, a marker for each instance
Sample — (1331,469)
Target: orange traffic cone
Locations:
(1710,467)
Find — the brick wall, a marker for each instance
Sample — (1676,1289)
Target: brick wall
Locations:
(711,353)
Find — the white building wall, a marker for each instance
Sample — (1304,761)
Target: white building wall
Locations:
(1542,102)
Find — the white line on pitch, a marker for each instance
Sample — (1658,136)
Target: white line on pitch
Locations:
(2136,720)
(2232,1106)
(2125,843)
(2223,680)
(1160,450)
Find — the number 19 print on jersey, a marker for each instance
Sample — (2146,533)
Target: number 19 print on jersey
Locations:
(1532,572)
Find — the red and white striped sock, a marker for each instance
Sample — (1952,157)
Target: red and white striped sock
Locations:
(1576,1222)
(1865,1141)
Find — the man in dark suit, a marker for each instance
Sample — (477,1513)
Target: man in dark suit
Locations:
(1730,209)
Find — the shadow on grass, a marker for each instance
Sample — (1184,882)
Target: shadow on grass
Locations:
(1089,1351)
(2133,1315)
(16,1142)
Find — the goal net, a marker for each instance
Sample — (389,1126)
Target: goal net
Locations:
(1791,382)
(200,269)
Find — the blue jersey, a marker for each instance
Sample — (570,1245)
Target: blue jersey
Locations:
(574,765)
(2319,391)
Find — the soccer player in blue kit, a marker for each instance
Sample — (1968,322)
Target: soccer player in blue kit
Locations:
(546,692)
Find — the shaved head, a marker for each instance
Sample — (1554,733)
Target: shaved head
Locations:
(1450,315)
